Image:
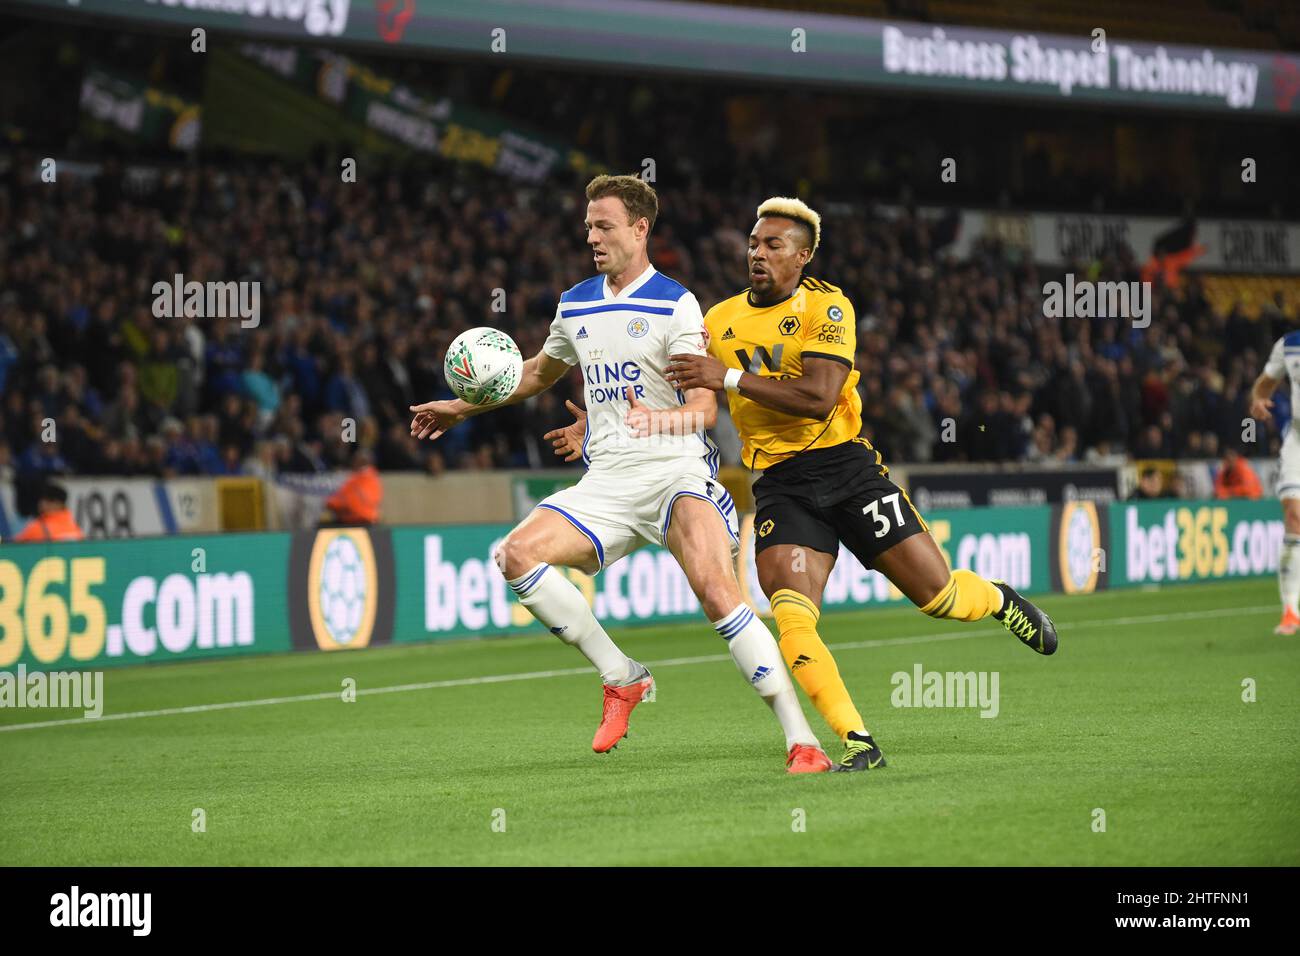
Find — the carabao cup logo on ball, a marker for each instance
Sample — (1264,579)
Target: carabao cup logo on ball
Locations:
(483,366)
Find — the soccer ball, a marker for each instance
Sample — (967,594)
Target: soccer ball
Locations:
(483,366)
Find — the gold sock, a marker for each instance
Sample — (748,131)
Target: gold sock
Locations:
(966,597)
(811,663)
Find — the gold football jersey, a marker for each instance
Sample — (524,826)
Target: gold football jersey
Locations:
(817,321)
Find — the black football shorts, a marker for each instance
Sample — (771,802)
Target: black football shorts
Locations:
(817,499)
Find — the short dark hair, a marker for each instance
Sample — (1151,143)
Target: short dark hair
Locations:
(53,492)
(805,228)
(638,196)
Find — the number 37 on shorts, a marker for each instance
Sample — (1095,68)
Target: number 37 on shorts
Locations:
(869,520)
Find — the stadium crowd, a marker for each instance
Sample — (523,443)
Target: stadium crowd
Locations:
(364,285)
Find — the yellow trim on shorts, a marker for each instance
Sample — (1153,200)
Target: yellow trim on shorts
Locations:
(924,526)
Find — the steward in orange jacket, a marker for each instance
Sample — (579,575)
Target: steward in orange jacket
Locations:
(1236,479)
(359,498)
(53,521)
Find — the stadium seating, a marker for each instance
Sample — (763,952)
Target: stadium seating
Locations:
(362,297)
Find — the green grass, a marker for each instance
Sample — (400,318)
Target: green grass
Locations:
(1142,718)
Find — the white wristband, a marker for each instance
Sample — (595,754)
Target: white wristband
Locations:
(731,381)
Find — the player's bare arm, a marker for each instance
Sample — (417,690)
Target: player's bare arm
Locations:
(432,419)
(810,395)
(1261,401)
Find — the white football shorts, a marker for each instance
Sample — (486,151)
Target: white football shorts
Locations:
(1288,475)
(619,509)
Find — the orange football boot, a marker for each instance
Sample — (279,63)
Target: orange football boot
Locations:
(619,702)
(1290,622)
(806,758)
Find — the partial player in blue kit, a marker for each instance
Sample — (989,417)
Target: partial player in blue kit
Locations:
(652,471)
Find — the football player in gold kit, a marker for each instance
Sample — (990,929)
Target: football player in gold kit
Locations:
(783,351)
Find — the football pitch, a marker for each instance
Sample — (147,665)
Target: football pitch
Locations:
(1131,746)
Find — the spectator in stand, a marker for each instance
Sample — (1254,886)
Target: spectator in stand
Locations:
(231,463)
(153,458)
(1177,485)
(9,356)
(160,373)
(1154,443)
(224,363)
(265,461)
(1150,486)
(400,451)
(344,393)
(43,458)
(1067,453)
(261,389)
(1236,479)
(54,521)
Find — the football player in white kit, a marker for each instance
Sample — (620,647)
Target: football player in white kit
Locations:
(652,474)
(1284,362)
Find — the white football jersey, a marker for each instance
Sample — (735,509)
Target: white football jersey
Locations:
(1284,362)
(623,341)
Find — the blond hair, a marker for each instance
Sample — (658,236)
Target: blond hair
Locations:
(787,207)
(638,196)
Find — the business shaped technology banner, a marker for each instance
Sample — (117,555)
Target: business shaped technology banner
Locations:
(733,40)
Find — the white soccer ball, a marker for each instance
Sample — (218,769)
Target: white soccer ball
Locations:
(483,366)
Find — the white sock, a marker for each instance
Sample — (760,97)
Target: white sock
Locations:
(756,655)
(559,605)
(1288,571)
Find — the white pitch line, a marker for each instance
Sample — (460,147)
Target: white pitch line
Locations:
(964,634)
